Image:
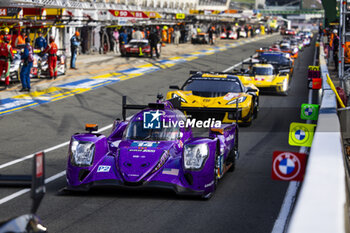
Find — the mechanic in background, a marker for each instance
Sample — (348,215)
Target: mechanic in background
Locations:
(137,35)
(52,49)
(211,33)
(28,58)
(177,36)
(123,39)
(6,56)
(115,37)
(154,40)
(20,40)
(40,42)
(74,45)
(4,33)
(335,47)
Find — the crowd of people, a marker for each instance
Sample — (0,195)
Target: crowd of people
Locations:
(112,39)
(10,44)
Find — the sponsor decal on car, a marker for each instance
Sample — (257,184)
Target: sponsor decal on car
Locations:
(231,95)
(208,185)
(170,171)
(103,168)
(142,150)
(143,144)
(229,138)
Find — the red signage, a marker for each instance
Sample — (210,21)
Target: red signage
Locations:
(288,166)
(33,11)
(316,83)
(39,164)
(121,13)
(139,14)
(3,12)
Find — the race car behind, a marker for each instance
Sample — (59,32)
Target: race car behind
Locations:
(138,48)
(266,77)
(41,67)
(223,92)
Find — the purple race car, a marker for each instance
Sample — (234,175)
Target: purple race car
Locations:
(155,148)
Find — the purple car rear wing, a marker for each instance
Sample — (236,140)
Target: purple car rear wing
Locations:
(176,104)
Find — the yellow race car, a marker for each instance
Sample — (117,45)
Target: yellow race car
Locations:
(266,77)
(221,95)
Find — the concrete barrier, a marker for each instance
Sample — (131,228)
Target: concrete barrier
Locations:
(321,204)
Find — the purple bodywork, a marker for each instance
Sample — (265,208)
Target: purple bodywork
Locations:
(119,160)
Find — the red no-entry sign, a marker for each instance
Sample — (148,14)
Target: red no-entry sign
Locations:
(288,166)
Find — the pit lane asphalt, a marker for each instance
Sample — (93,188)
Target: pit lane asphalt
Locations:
(245,201)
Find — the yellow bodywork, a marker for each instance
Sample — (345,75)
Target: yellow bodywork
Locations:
(277,82)
(193,101)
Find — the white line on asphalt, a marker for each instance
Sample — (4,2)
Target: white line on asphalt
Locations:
(46,150)
(288,201)
(14,195)
(234,66)
(23,191)
(290,197)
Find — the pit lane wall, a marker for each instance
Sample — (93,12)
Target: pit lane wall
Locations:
(321,204)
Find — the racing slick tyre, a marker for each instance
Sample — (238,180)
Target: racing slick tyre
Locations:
(207,196)
(234,154)
(250,119)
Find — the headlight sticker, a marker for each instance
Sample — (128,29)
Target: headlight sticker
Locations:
(170,171)
(230,96)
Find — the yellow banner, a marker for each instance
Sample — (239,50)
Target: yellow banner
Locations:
(301,134)
(314,68)
(180,16)
(153,15)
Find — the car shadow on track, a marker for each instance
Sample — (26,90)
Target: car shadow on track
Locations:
(122,193)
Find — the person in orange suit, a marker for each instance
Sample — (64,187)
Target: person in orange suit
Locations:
(170,34)
(347,52)
(6,56)
(52,49)
(21,39)
(164,35)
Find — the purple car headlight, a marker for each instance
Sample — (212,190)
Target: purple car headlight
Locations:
(195,156)
(82,153)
